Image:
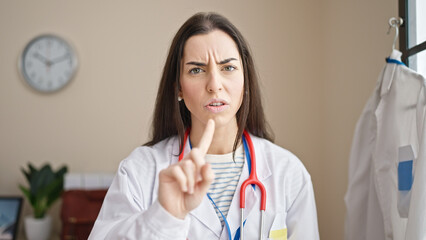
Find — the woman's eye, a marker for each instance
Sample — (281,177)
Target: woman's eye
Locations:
(195,70)
(229,68)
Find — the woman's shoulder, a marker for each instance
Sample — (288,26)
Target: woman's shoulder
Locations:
(283,167)
(278,157)
(273,150)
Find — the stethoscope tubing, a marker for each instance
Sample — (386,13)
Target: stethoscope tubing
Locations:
(252,179)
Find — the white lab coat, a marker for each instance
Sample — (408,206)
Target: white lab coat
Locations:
(388,122)
(131,209)
(416,226)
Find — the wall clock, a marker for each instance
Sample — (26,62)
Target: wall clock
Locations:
(48,63)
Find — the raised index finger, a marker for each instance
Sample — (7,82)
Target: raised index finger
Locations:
(207,137)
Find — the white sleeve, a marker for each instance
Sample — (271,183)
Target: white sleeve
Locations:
(360,183)
(302,220)
(123,215)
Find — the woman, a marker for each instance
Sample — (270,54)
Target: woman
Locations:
(188,188)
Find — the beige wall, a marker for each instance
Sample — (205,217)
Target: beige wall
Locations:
(356,45)
(318,61)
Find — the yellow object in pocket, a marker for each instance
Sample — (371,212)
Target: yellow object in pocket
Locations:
(280,234)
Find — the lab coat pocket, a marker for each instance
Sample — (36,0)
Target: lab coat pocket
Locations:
(279,228)
(405,179)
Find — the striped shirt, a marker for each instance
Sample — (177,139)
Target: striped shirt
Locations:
(227,174)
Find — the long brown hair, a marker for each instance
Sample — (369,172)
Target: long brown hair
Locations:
(171,117)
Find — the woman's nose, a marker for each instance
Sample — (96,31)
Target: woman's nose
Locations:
(214,83)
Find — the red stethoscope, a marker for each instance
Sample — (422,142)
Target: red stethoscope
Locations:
(252,179)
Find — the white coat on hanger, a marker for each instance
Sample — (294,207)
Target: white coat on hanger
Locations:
(416,226)
(387,123)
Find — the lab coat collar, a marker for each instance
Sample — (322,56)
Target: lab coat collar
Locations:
(206,213)
(396,55)
(389,73)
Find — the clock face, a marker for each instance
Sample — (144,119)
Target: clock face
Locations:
(48,63)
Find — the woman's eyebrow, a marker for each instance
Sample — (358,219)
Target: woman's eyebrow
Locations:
(196,64)
(227,60)
(204,64)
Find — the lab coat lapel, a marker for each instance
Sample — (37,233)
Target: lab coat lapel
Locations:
(206,214)
(252,196)
(234,214)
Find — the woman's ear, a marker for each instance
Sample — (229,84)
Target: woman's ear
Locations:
(180,94)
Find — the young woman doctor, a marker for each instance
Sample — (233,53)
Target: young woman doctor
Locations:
(178,187)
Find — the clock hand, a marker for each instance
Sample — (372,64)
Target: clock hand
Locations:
(42,58)
(60,59)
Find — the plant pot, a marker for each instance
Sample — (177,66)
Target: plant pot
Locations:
(38,228)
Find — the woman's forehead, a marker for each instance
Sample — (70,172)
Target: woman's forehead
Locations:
(215,44)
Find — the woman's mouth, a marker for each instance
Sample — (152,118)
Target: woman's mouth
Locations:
(216,106)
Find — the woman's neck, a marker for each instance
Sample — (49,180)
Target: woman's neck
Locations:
(223,138)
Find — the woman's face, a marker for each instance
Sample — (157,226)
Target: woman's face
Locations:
(212,79)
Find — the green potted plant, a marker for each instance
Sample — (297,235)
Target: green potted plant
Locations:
(45,187)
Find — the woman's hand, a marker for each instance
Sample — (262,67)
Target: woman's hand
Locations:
(184,184)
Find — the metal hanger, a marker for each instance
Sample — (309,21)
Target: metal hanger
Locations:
(395,23)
